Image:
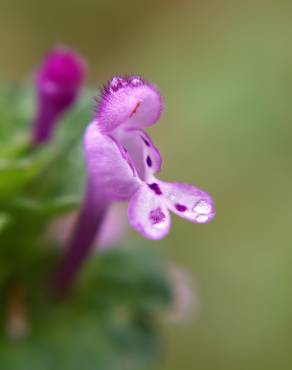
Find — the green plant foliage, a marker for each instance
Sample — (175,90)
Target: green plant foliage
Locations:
(110,320)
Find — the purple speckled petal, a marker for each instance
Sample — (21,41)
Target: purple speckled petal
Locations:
(188,202)
(148,214)
(151,156)
(130,101)
(140,147)
(109,166)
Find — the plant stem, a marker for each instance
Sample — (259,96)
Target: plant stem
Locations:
(88,224)
(44,124)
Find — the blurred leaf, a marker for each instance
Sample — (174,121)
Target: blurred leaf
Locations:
(46,208)
(16,112)
(64,173)
(15,174)
(4,221)
(133,276)
(94,329)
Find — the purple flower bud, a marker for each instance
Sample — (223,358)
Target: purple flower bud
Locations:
(58,82)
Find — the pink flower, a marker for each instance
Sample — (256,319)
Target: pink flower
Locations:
(122,161)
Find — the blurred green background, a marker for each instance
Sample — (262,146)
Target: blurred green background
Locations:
(225,70)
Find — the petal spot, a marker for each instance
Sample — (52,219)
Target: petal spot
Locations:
(149,161)
(157,216)
(155,187)
(180,207)
(145,141)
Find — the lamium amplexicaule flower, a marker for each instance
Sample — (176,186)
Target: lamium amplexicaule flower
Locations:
(122,162)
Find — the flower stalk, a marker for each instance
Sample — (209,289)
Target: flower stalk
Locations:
(81,244)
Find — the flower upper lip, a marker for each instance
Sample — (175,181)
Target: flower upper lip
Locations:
(130,101)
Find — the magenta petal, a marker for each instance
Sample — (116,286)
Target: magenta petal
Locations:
(188,202)
(130,101)
(148,214)
(110,169)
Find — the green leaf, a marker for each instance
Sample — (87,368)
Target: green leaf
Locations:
(15,174)
(94,329)
(47,208)
(16,112)
(4,221)
(64,173)
(133,276)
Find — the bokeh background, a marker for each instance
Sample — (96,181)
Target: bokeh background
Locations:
(225,70)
